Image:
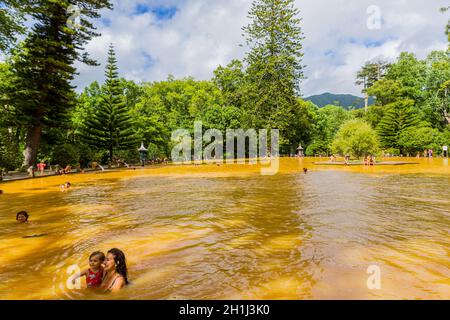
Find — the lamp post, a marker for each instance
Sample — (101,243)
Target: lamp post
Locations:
(300,151)
(143,153)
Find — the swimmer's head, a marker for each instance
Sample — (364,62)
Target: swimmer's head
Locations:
(22,216)
(1,191)
(68,184)
(96,259)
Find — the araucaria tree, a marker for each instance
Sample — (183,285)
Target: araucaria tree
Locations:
(274,68)
(43,66)
(110,126)
(399,116)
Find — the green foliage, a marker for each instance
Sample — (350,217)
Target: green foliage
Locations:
(411,73)
(386,91)
(11,21)
(318,147)
(374,115)
(43,67)
(231,82)
(370,73)
(275,70)
(447,27)
(399,116)
(65,155)
(41,114)
(327,121)
(176,104)
(356,138)
(110,125)
(413,140)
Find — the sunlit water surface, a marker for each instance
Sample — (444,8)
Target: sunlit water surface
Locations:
(227,232)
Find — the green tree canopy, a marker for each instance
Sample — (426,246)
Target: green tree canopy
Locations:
(327,121)
(275,69)
(386,91)
(399,116)
(11,21)
(43,67)
(413,140)
(356,138)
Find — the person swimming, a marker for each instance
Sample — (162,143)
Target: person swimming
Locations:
(116,272)
(66,186)
(94,274)
(22,217)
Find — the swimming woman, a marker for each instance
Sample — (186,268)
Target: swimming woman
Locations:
(116,273)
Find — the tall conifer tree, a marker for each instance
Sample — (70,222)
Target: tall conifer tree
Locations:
(110,126)
(274,65)
(398,117)
(43,66)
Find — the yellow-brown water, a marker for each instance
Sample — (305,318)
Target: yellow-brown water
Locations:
(226,232)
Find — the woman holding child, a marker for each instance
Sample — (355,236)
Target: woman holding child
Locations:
(106,273)
(115,271)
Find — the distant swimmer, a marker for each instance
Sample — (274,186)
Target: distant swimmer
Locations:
(22,217)
(305,170)
(66,186)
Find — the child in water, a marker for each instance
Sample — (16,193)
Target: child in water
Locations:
(66,186)
(22,217)
(94,274)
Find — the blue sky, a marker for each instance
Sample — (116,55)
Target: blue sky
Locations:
(155,38)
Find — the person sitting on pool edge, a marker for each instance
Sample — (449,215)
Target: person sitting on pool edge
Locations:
(22,217)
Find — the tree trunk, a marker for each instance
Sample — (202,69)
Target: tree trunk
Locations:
(31,147)
(366,102)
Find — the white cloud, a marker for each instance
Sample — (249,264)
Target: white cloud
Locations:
(206,33)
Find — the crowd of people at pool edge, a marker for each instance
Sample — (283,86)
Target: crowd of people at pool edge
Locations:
(119,163)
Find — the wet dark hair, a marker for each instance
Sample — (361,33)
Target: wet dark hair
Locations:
(68,184)
(121,263)
(1,191)
(100,254)
(22,213)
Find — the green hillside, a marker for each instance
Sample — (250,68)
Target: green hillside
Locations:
(345,100)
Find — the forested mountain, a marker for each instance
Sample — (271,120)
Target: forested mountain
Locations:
(344,100)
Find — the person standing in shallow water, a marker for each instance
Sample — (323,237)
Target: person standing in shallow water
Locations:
(41,166)
(115,271)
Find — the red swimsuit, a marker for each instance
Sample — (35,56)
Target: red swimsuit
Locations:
(94,279)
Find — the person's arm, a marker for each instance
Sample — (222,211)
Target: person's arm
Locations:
(118,284)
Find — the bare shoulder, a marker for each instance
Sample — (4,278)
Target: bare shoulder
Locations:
(118,284)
